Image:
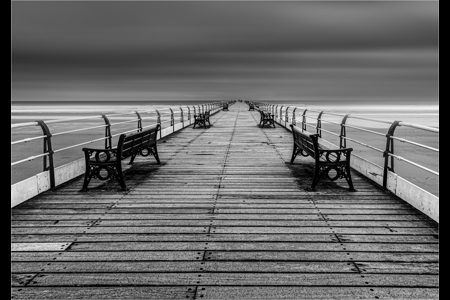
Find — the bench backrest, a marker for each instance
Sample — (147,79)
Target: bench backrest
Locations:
(307,141)
(130,144)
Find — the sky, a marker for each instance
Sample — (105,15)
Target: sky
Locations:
(365,51)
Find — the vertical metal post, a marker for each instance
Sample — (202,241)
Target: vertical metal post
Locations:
(182,117)
(189,113)
(108,141)
(172,121)
(139,121)
(281,113)
(304,120)
(294,122)
(158,120)
(286,117)
(319,124)
(389,149)
(48,149)
(276,111)
(203,109)
(342,136)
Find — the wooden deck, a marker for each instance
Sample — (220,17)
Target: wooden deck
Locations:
(223,217)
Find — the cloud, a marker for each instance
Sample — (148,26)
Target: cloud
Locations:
(218,49)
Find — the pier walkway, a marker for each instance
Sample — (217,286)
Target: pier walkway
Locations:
(225,216)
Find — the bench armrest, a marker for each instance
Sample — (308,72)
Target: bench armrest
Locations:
(335,155)
(336,150)
(98,155)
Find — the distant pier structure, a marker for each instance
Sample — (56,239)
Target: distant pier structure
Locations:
(224,216)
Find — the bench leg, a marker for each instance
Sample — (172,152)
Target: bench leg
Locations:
(87,178)
(316,178)
(132,159)
(119,177)
(295,152)
(154,151)
(348,177)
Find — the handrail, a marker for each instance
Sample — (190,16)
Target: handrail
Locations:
(389,152)
(160,112)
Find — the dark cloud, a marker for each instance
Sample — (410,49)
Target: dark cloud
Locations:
(219,50)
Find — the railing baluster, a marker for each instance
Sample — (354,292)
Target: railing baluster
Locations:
(108,141)
(304,120)
(389,149)
(139,121)
(48,148)
(343,135)
(319,124)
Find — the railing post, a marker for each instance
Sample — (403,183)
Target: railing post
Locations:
(343,135)
(304,120)
(389,149)
(108,141)
(281,113)
(48,149)
(319,124)
(158,120)
(182,117)
(189,114)
(172,121)
(276,111)
(294,122)
(203,109)
(139,121)
(286,117)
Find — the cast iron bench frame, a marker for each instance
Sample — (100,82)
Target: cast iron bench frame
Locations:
(251,106)
(326,160)
(225,106)
(266,118)
(97,161)
(201,119)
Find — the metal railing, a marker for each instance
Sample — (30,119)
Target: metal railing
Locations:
(172,115)
(281,112)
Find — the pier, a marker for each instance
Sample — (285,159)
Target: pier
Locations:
(224,216)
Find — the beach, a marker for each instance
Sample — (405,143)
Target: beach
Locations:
(425,115)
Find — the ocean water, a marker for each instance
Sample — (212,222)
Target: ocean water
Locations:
(422,114)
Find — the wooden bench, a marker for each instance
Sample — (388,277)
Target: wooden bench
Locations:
(225,106)
(202,119)
(266,118)
(327,161)
(251,106)
(106,163)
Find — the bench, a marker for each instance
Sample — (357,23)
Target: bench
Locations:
(251,106)
(225,106)
(266,118)
(327,161)
(201,119)
(106,163)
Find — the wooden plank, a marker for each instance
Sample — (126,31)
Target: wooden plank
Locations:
(106,256)
(347,293)
(254,246)
(320,256)
(39,246)
(195,266)
(318,279)
(97,292)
